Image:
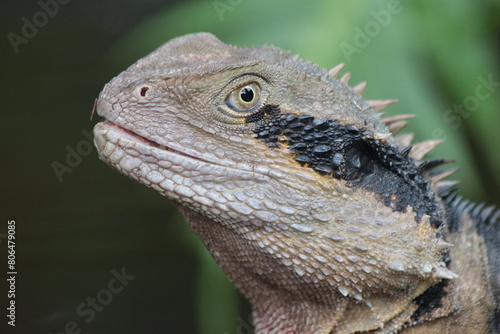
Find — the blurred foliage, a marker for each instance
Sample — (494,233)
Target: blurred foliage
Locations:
(431,55)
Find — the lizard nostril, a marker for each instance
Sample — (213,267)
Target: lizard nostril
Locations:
(144,90)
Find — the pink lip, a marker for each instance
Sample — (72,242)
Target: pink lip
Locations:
(136,137)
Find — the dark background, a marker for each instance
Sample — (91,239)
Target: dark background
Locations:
(77,225)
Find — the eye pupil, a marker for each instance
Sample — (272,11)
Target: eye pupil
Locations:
(244,98)
(247,94)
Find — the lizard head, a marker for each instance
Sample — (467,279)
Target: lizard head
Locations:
(283,155)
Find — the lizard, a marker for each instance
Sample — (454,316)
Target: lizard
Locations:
(324,217)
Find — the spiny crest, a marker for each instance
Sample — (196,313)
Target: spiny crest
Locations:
(419,150)
(334,72)
(360,88)
(378,105)
(395,124)
(345,78)
(405,139)
(487,217)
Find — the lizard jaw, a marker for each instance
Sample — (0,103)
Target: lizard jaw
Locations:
(115,128)
(161,147)
(156,165)
(132,136)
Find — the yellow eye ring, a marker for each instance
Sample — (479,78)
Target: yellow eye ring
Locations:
(244,98)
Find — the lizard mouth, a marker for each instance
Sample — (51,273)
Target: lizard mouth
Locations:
(111,131)
(136,138)
(126,150)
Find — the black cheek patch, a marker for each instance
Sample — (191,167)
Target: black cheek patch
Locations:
(263,113)
(350,154)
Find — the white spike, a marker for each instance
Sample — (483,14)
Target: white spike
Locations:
(336,70)
(405,139)
(369,303)
(426,219)
(378,105)
(396,118)
(397,126)
(419,150)
(445,273)
(397,266)
(441,244)
(360,88)
(344,291)
(427,268)
(418,246)
(382,136)
(345,78)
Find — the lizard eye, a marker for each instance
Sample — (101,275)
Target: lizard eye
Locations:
(244,98)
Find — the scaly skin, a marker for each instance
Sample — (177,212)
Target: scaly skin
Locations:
(301,193)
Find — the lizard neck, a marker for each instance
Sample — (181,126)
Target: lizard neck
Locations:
(275,308)
(282,303)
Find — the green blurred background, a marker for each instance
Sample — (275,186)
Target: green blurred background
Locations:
(73,230)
